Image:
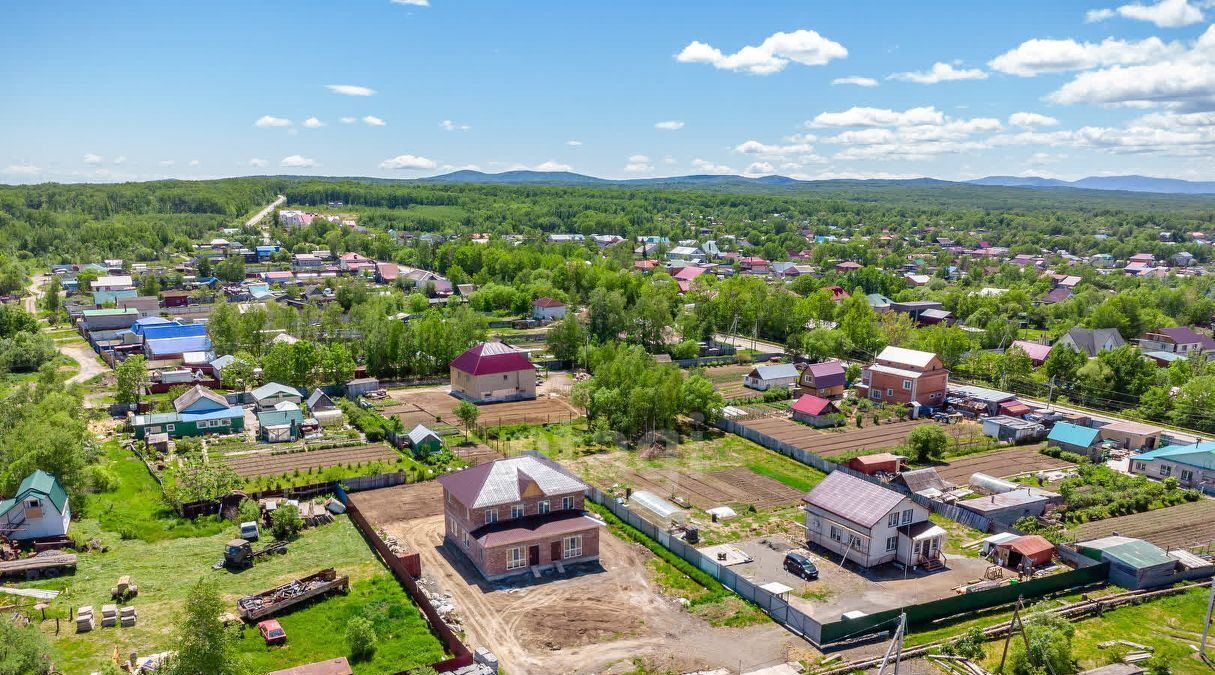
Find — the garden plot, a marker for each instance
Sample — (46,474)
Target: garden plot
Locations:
(706,490)
(1001,464)
(430,404)
(267,464)
(1183,526)
(728,380)
(841,441)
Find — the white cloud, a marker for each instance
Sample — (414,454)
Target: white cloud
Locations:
(639,164)
(167,162)
(22,170)
(121,159)
(414,3)
(705,166)
(940,72)
(1164,13)
(297,162)
(194,162)
(373,121)
(409,162)
(313,123)
(1029,119)
(573,143)
(448,125)
(759,169)
(350,89)
(753,147)
(806,47)
(669,125)
(1034,57)
(349,120)
(266,121)
(258,163)
(1184,80)
(915,133)
(856,80)
(859,116)
(90,158)
(552,165)
(639,158)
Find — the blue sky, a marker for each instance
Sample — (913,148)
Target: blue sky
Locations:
(148,89)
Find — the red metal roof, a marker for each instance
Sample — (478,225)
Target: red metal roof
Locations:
(547,302)
(507,532)
(811,404)
(489,358)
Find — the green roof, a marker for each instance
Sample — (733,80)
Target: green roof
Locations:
(38,483)
(1134,552)
(110,312)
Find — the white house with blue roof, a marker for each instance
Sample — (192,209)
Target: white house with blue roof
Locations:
(39,510)
(1075,438)
(1193,465)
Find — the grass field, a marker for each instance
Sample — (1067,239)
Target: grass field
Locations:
(165,555)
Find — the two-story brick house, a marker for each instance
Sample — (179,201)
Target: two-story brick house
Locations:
(515,515)
(901,375)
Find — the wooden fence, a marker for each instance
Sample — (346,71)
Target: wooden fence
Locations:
(461,656)
(211,507)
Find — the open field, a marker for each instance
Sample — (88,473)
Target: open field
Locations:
(166,570)
(831,443)
(474,453)
(1000,463)
(1182,526)
(266,464)
(728,380)
(739,485)
(429,405)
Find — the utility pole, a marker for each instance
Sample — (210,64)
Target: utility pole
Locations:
(896,646)
(1206,625)
(1050,394)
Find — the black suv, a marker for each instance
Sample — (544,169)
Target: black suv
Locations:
(800,565)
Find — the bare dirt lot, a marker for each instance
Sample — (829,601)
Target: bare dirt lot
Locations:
(1000,464)
(838,442)
(840,590)
(429,404)
(1182,526)
(266,464)
(731,486)
(400,503)
(728,380)
(594,616)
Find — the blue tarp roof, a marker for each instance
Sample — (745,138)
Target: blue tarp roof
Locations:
(1073,434)
(172,330)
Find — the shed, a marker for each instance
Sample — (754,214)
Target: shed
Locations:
(271,394)
(1027,551)
(872,464)
(321,408)
(923,480)
(1008,507)
(356,388)
(1012,429)
(763,378)
(990,543)
(1134,563)
(337,666)
(1132,435)
(815,411)
(1075,438)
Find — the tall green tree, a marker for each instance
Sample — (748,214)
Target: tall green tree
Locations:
(131,377)
(203,645)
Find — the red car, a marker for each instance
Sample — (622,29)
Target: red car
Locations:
(272,632)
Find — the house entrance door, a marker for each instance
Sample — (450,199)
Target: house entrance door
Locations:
(533,555)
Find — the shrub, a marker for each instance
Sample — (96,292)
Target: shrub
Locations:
(360,638)
(101,479)
(927,442)
(285,522)
(247,511)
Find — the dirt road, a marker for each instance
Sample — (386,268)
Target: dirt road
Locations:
(584,624)
(82,354)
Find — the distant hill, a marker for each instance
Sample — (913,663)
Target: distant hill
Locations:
(1124,183)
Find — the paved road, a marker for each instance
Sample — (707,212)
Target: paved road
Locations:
(262,214)
(744,342)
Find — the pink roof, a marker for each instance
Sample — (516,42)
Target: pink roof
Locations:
(689,273)
(811,404)
(490,358)
(388,271)
(547,303)
(754,260)
(1036,352)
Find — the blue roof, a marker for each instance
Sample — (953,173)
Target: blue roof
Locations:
(265,249)
(273,418)
(1073,434)
(150,321)
(172,330)
(178,345)
(222,413)
(1200,454)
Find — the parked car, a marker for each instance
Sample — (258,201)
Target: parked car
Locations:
(272,632)
(799,565)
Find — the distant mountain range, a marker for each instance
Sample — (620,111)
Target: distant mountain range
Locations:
(1108,183)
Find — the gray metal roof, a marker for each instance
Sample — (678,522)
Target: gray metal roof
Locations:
(502,481)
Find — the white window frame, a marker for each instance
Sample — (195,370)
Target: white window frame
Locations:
(875,394)
(567,503)
(893,520)
(491,516)
(892,543)
(836,535)
(515,558)
(169,428)
(1187,475)
(889,391)
(542,507)
(906,385)
(908,514)
(571,547)
(1166,470)
(517,511)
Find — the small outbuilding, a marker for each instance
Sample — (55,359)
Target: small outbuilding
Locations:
(1075,438)
(816,411)
(423,441)
(322,408)
(1012,429)
(1025,552)
(882,462)
(38,510)
(1134,563)
(360,386)
(271,394)
(825,380)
